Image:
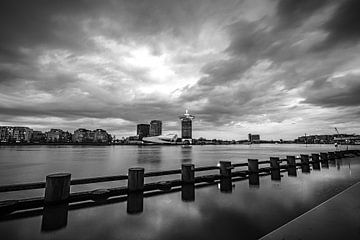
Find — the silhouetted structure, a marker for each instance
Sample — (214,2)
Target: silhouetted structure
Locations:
(186,126)
(155,128)
(143,130)
(254,137)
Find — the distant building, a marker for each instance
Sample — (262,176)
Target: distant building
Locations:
(162,139)
(83,135)
(58,136)
(143,130)
(101,136)
(155,128)
(254,137)
(22,134)
(6,134)
(186,126)
(38,137)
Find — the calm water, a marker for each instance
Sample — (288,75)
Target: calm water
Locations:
(207,213)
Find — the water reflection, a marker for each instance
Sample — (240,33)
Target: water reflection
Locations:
(316,165)
(149,154)
(188,192)
(292,171)
(325,164)
(275,175)
(186,154)
(54,217)
(226,185)
(305,168)
(135,202)
(254,180)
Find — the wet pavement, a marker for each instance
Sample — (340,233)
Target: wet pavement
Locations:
(336,218)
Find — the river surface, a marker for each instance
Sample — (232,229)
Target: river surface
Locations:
(219,211)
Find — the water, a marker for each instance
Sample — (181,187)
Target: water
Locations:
(241,211)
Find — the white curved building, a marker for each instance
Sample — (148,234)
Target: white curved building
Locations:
(162,139)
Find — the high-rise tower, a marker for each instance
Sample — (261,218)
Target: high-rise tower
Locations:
(155,128)
(186,126)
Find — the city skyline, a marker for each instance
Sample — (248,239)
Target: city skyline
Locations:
(277,68)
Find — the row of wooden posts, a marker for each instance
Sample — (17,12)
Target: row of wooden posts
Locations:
(57,186)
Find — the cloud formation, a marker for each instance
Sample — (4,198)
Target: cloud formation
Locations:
(278,68)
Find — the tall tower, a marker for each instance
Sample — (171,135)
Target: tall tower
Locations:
(155,128)
(186,126)
(143,130)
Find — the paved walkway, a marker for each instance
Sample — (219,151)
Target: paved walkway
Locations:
(336,218)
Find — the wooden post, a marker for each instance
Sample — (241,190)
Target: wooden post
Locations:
(315,157)
(274,162)
(304,159)
(291,161)
(331,156)
(291,164)
(305,168)
(136,179)
(57,188)
(324,157)
(225,168)
(253,165)
(187,173)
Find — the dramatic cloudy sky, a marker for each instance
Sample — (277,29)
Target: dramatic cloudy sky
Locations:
(280,68)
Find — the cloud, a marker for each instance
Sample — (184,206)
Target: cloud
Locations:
(335,92)
(239,66)
(343,27)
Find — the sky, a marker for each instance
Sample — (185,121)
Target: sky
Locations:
(278,68)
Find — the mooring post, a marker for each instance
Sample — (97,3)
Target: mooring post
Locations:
(274,162)
(225,168)
(315,161)
(331,156)
(57,188)
(136,179)
(187,173)
(291,161)
(253,165)
(304,159)
(324,157)
(291,164)
(315,157)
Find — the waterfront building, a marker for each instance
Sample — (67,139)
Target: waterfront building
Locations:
(58,135)
(6,134)
(162,139)
(22,134)
(254,137)
(101,136)
(143,130)
(83,135)
(155,128)
(38,137)
(186,126)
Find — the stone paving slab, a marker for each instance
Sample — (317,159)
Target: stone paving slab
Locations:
(336,218)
